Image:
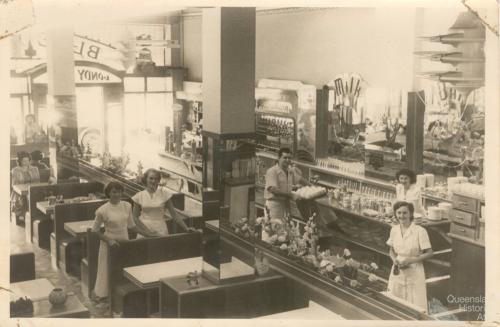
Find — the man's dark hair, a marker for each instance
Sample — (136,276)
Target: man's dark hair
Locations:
(283,150)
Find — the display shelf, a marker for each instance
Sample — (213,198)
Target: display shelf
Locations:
(359,178)
(198,164)
(435,198)
(239,181)
(467,240)
(174,172)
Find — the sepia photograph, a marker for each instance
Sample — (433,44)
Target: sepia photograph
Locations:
(323,162)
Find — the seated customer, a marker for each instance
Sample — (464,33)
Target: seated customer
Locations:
(152,204)
(36,161)
(116,216)
(24,173)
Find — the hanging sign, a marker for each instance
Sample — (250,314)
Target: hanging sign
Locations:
(86,75)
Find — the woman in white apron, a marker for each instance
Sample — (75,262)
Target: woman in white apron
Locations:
(116,216)
(407,189)
(409,247)
(151,205)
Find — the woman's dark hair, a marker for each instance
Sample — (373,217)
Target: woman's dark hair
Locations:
(113,186)
(283,150)
(36,155)
(409,173)
(21,155)
(144,177)
(400,204)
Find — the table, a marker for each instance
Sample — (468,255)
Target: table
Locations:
(78,228)
(44,207)
(36,289)
(22,189)
(48,209)
(73,308)
(148,276)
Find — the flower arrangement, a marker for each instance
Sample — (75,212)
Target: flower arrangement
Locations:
(343,269)
(115,164)
(23,307)
(299,241)
(392,127)
(243,228)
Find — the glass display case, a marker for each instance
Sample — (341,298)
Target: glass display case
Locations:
(346,258)
(229,175)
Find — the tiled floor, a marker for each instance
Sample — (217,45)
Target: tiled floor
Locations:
(43,269)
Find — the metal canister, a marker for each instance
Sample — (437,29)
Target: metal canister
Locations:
(336,194)
(346,201)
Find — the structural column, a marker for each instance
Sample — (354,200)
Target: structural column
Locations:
(61,99)
(228,59)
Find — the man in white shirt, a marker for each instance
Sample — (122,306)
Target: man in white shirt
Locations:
(280,180)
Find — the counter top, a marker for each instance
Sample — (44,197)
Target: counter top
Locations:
(334,204)
(467,240)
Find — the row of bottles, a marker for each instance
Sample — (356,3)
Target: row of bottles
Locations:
(352,199)
(275,126)
(354,168)
(243,168)
(365,190)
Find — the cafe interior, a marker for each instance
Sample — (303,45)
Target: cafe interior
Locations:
(207,97)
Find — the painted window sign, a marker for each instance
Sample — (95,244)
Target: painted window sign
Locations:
(86,75)
(86,49)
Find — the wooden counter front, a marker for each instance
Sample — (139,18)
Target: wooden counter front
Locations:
(247,299)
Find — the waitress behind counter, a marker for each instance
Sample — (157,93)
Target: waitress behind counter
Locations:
(407,190)
(409,247)
(280,180)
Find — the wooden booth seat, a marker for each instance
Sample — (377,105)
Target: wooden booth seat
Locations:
(22,266)
(126,297)
(65,249)
(38,225)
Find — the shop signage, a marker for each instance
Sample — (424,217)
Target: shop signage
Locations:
(86,75)
(89,49)
(94,75)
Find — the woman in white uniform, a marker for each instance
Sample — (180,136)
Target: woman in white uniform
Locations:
(407,189)
(116,216)
(152,204)
(409,247)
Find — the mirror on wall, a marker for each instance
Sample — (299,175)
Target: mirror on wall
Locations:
(346,117)
(366,127)
(454,127)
